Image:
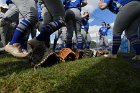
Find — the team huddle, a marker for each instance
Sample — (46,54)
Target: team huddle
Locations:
(64,18)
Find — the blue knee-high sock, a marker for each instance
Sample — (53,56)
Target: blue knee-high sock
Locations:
(87,45)
(49,29)
(69,43)
(116,44)
(79,42)
(137,48)
(135,41)
(23,41)
(20,30)
(80,45)
(47,41)
(16,36)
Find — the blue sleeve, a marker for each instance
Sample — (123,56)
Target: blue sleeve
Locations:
(8,2)
(107,1)
(64,2)
(100,30)
(39,12)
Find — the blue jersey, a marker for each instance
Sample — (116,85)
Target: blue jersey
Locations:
(85,23)
(39,10)
(115,5)
(72,4)
(103,31)
(8,2)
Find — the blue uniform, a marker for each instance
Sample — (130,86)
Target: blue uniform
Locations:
(39,10)
(72,4)
(8,2)
(115,5)
(103,36)
(85,23)
(103,31)
(73,21)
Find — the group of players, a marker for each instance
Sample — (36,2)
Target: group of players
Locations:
(47,16)
(68,13)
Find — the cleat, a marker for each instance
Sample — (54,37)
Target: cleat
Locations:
(110,56)
(15,50)
(136,57)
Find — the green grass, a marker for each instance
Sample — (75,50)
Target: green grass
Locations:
(93,75)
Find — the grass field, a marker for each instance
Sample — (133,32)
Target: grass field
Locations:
(92,75)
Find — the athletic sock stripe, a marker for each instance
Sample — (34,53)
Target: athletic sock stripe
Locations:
(24,24)
(57,22)
(25,21)
(20,29)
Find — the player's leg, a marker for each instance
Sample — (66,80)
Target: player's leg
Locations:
(27,8)
(69,18)
(77,25)
(122,22)
(133,35)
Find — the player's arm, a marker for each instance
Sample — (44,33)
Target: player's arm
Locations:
(108,26)
(84,3)
(103,4)
(100,35)
(85,15)
(99,32)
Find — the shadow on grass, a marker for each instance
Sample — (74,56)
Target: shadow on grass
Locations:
(128,58)
(106,76)
(12,65)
